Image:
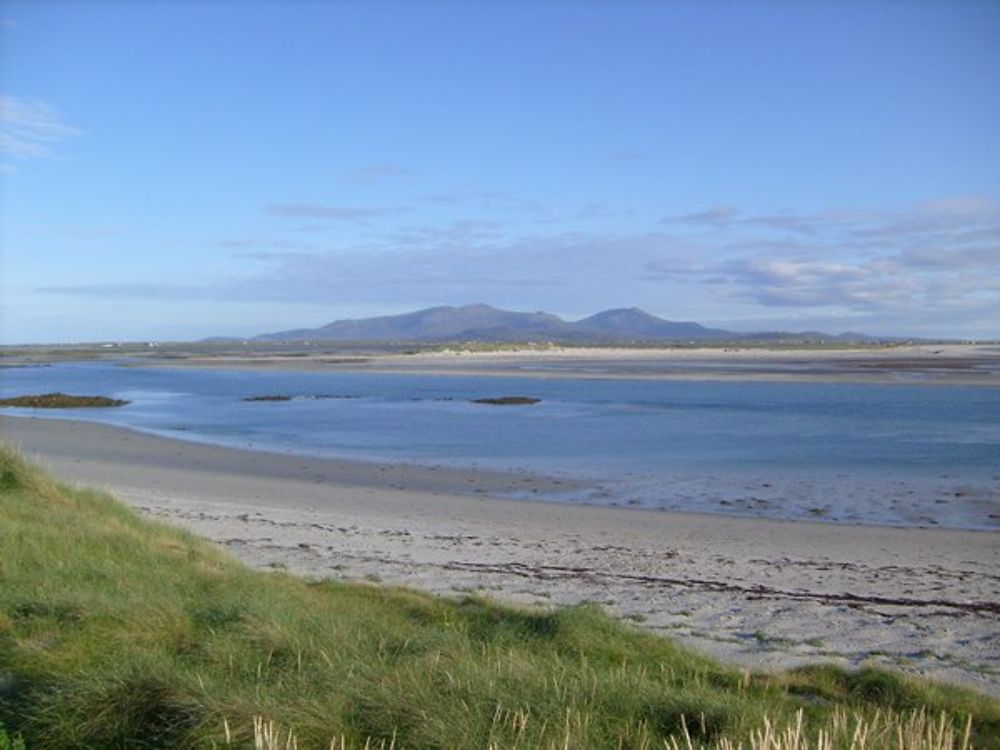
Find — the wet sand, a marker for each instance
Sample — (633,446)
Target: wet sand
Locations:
(761,593)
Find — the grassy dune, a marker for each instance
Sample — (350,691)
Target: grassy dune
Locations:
(116,632)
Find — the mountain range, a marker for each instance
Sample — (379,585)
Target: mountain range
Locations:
(485,323)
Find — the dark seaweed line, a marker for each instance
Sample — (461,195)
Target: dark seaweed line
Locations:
(556,571)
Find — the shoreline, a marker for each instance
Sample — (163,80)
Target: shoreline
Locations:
(949,365)
(878,499)
(904,364)
(761,593)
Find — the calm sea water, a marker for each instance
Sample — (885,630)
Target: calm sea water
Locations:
(782,449)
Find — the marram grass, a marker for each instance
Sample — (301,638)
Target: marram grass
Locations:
(117,632)
(912,730)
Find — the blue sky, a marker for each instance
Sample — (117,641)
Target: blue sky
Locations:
(175,170)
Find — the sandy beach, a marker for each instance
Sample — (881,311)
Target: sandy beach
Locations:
(760,593)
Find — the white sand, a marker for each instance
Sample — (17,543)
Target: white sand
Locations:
(761,593)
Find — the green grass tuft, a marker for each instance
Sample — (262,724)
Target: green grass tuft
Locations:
(116,631)
(10,743)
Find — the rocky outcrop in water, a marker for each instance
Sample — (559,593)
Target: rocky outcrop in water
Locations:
(61,401)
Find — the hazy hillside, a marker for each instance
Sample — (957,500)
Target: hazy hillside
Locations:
(633,323)
(486,323)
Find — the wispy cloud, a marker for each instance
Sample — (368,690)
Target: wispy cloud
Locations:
(500,201)
(918,262)
(804,283)
(29,128)
(467,258)
(929,269)
(464,232)
(949,216)
(712,216)
(318,211)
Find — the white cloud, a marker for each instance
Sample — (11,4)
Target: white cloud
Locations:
(29,128)
(916,268)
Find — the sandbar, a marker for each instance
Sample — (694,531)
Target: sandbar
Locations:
(914,364)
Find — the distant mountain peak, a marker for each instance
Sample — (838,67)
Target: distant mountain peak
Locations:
(482,322)
(624,313)
(633,322)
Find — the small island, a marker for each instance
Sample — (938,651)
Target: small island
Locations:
(507,401)
(275,397)
(61,401)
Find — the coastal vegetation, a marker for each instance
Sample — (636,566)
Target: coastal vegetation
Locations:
(61,401)
(116,631)
(508,401)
